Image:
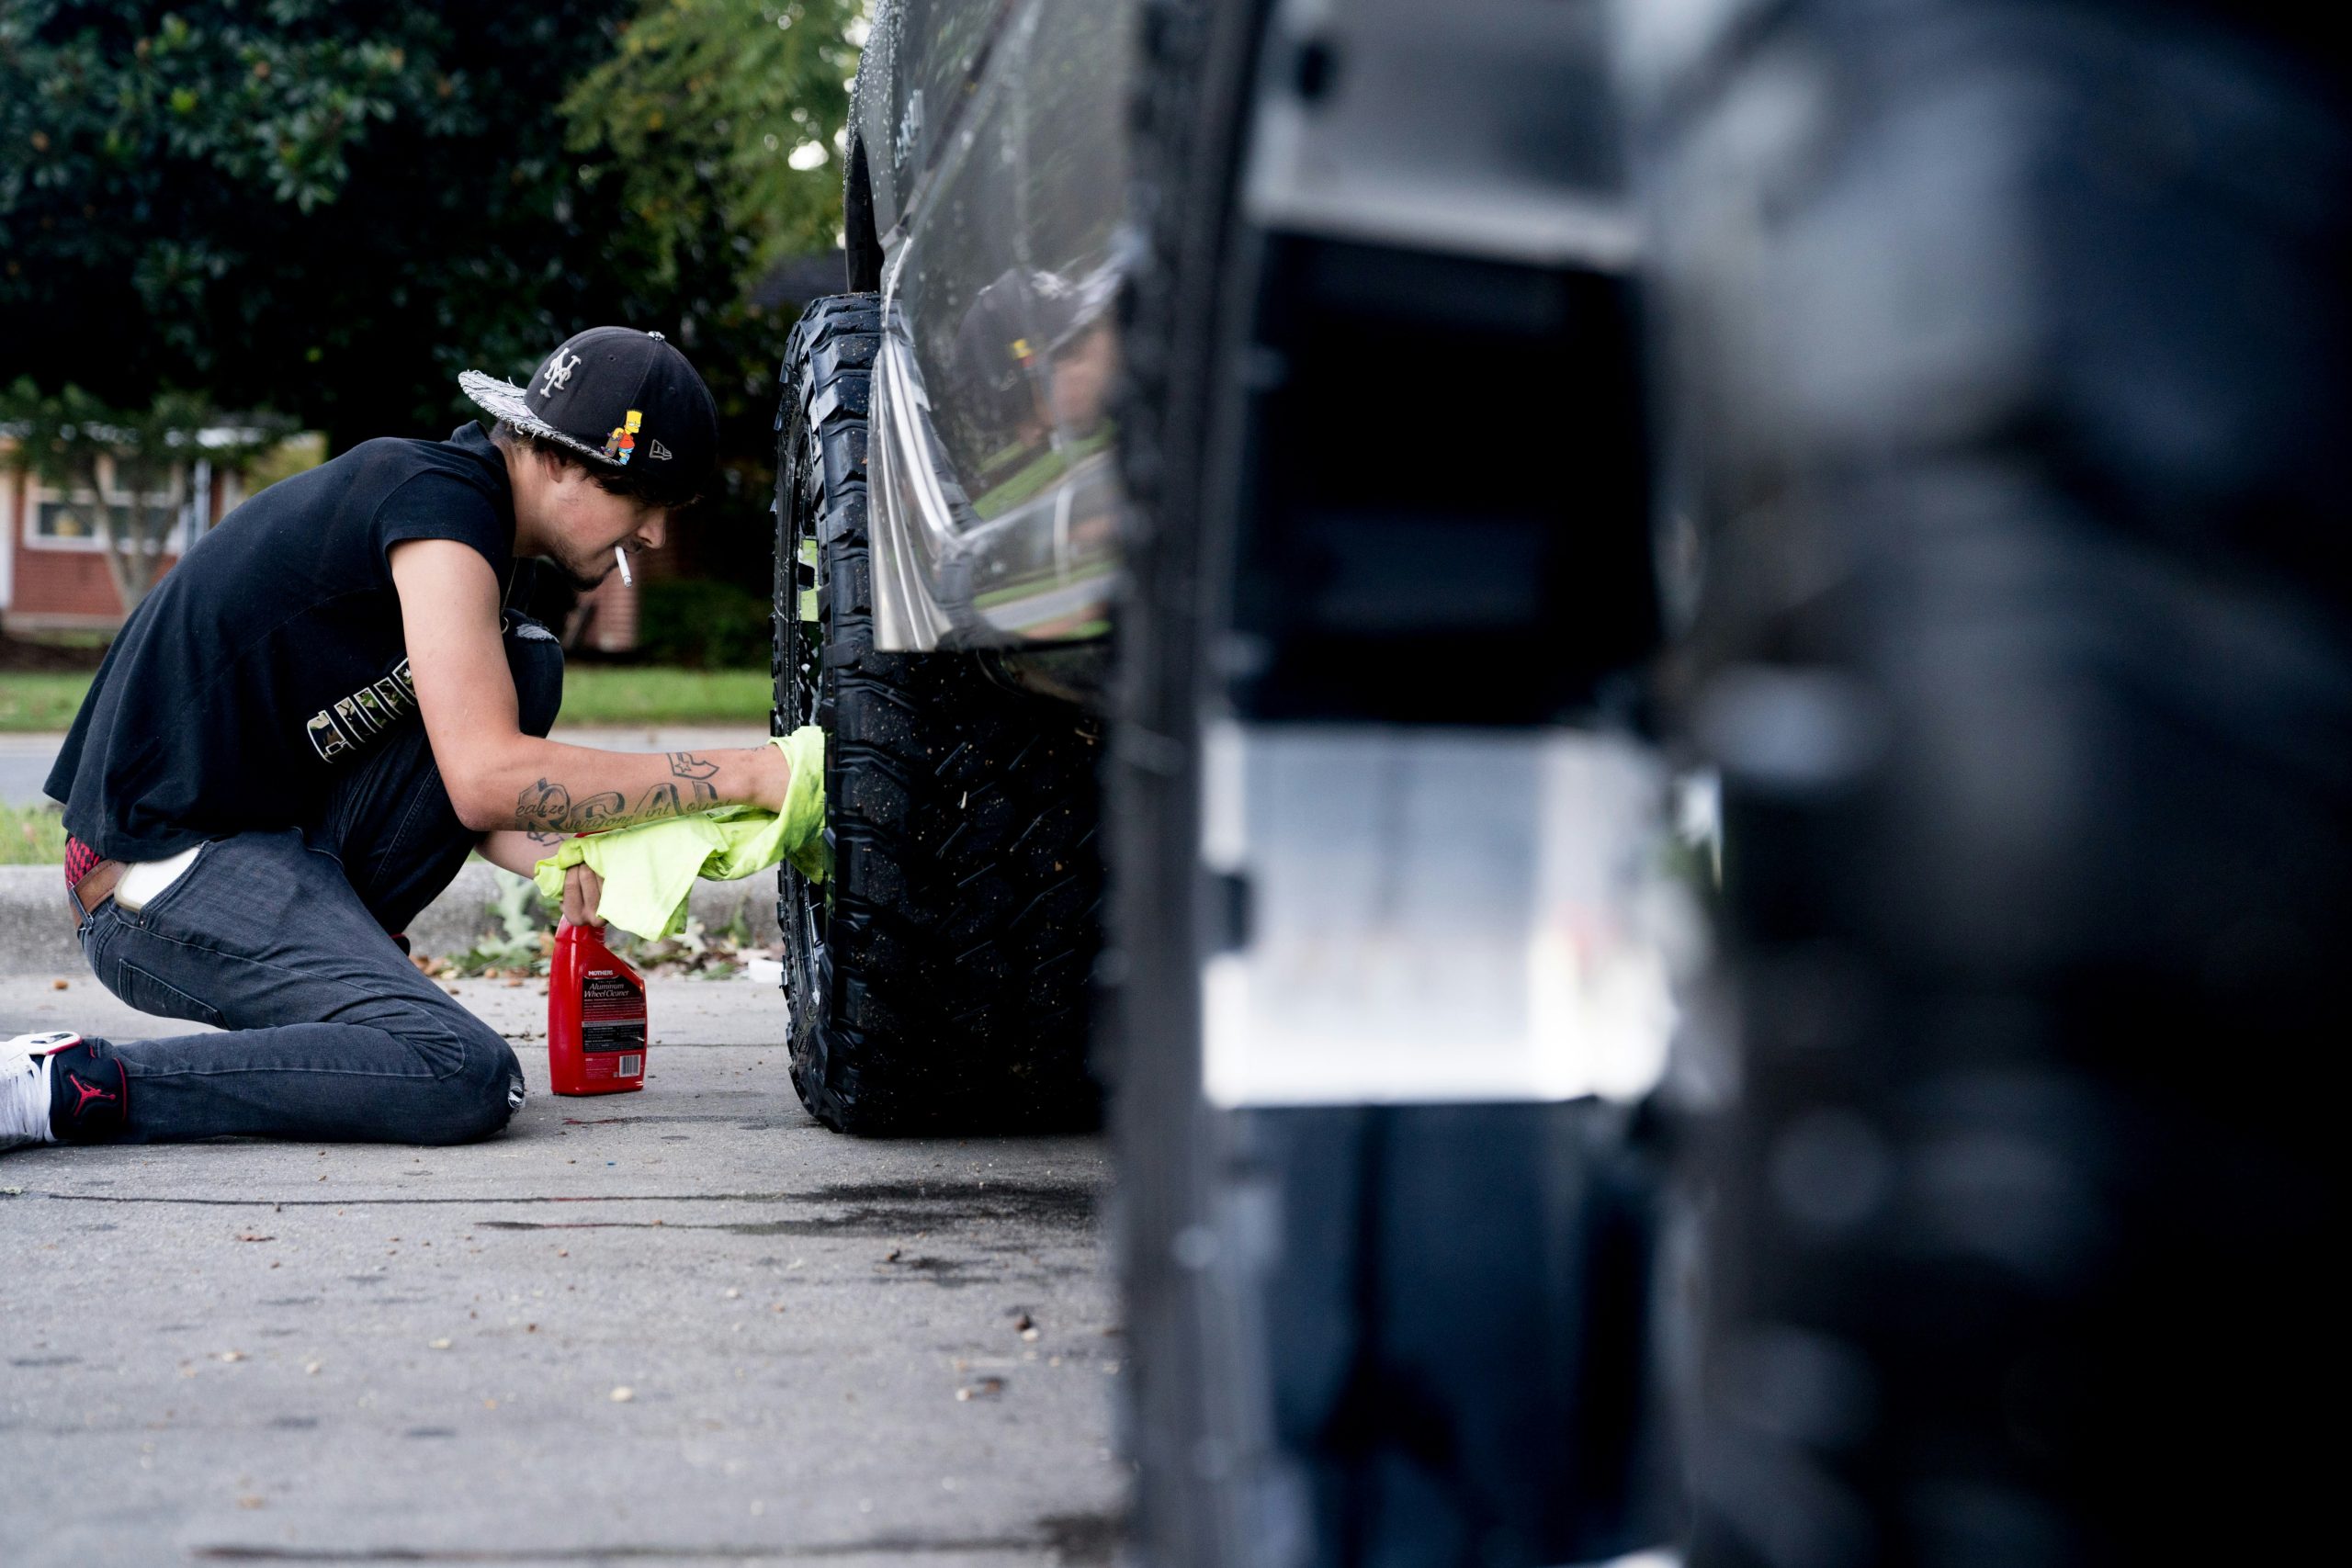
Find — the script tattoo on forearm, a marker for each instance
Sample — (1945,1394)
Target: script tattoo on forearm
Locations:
(663,800)
(546,809)
(599,810)
(691,792)
(544,805)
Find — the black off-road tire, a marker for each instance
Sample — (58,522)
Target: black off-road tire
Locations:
(2030,1146)
(1359,1333)
(1182,1328)
(938,979)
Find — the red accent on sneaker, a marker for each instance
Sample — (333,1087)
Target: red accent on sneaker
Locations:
(85,1106)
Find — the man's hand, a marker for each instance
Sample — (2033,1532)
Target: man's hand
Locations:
(520,853)
(582,891)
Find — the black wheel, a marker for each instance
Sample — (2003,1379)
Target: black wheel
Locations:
(1360,1332)
(2025,1181)
(1189,104)
(938,980)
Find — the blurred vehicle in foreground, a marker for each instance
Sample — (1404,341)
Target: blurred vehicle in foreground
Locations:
(1388,976)
(2004,356)
(1392,915)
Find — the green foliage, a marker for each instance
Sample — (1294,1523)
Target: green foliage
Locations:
(517,943)
(523,916)
(520,908)
(693,125)
(523,944)
(723,118)
(702,625)
(331,209)
(321,208)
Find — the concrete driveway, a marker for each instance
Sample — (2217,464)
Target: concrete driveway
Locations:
(686,1326)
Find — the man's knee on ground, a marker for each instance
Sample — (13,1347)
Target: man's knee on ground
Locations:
(483,1096)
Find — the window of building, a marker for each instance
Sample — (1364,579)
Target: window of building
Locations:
(54,521)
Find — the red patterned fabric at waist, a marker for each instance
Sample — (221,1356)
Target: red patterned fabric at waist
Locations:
(79,861)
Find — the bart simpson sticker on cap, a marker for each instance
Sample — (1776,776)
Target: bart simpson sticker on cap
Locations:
(624,438)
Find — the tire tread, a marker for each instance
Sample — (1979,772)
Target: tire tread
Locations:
(963,814)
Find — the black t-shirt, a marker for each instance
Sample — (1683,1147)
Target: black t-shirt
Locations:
(270,661)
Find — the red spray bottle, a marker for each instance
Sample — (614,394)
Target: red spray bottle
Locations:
(596,1033)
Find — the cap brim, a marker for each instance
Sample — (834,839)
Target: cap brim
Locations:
(506,400)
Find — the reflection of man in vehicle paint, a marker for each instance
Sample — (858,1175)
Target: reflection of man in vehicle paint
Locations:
(1033,356)
(995,351)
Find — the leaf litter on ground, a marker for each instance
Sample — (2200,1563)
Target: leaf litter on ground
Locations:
(521,945)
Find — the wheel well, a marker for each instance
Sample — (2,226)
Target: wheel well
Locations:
(860,245)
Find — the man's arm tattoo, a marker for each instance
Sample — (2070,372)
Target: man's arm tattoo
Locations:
(663,800)
(546,811)
(687,765)
(544,805)
(599,810)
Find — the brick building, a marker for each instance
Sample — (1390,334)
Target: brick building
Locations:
(53,569)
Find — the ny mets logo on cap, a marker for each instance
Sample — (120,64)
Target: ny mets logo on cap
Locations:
(623,442)
(606,394)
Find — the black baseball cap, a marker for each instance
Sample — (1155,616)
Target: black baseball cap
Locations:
(621,398)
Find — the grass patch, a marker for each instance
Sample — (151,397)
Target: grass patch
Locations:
(1033,480)
(593,694)
(616,694)
(42,699)
(32,835)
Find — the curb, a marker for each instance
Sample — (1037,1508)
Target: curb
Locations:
(37,935)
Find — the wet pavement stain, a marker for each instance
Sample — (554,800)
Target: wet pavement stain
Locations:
(876,1208)
(1059,1206)
(883,1204)
(886,1547)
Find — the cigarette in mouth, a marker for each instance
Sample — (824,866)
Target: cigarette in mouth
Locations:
(621,556)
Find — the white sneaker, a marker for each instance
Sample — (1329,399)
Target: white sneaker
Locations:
(24,1087)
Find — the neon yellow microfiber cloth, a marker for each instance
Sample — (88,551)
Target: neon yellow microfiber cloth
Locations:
(649,870)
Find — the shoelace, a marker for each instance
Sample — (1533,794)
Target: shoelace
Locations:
(24,1107)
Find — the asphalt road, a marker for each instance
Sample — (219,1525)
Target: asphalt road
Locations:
(24,766)
(686,1326)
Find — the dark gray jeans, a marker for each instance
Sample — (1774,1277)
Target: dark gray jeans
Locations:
(282,938)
